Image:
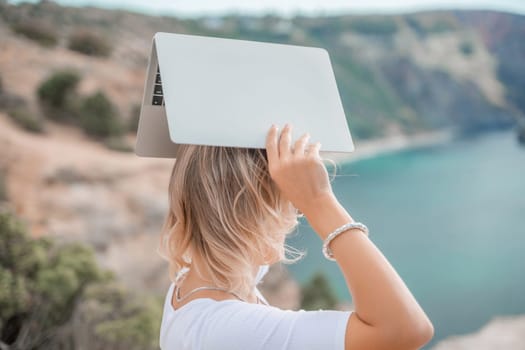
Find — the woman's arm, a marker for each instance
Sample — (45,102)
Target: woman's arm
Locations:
(386,314)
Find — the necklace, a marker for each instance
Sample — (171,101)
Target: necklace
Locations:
(179,298)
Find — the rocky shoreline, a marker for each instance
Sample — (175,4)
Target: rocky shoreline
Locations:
(365,149)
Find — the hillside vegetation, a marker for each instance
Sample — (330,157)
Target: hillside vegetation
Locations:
(396,74)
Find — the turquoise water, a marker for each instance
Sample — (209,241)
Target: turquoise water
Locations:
(450,219)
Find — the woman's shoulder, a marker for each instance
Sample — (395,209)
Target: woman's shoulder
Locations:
(234,324)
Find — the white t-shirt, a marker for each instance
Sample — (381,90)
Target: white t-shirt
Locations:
(208,324)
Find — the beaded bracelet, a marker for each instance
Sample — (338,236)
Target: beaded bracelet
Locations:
(326,249)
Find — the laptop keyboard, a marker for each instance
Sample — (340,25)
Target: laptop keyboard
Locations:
(158,96)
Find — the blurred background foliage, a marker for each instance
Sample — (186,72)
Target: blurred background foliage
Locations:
(55,296)
(318,294)
(89,43)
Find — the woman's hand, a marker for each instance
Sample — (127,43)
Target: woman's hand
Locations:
(299,172)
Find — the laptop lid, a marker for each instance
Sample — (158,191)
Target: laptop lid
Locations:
(227,92)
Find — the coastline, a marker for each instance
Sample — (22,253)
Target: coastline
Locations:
(365,149)
(502,332)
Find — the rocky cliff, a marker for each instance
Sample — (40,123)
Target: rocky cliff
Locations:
(397,75)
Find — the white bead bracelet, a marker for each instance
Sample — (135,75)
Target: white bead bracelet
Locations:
(326,249)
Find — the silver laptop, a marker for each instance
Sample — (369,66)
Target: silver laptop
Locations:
(227,92)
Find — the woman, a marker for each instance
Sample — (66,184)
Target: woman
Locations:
(230,210)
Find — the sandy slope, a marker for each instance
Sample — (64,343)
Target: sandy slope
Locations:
(67,186)
(72,188)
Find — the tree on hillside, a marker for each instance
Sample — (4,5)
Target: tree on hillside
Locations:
(89,43)
(317,294)
(98,116)
(38,31)
(3,189)
(40,284)
(57,94)
(56,297)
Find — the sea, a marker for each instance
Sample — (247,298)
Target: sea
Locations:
(449,217)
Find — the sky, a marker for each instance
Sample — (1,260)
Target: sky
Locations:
(194,8)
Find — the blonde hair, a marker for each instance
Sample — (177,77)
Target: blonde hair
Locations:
(225,207)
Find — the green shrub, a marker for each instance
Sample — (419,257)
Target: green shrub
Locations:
(60,297)
(441,26)
(57,93)
(466,48)
(521,134)
(39,283)
(118,143)
(89,43)
(383,26)
(414,23)
(364,128)
(37,31)
(27,120)
(3,188)
(98,116)
(133,122)
(94,114)
(119,320)
(317,294)
(325,29)
(425,25)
